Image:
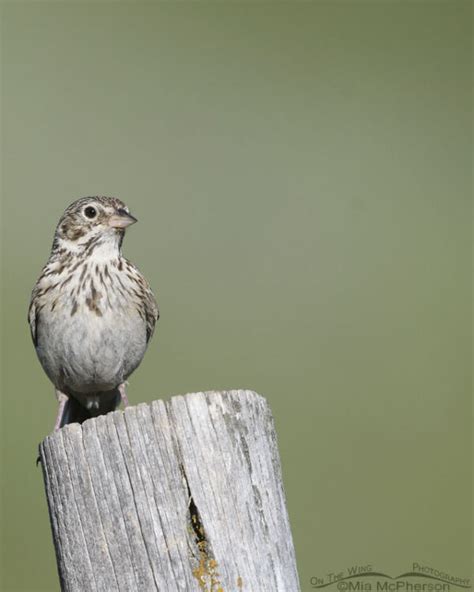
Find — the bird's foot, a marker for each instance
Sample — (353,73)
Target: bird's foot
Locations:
(62,402)
(123,394)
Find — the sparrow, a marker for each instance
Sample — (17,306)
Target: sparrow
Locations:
(92,313)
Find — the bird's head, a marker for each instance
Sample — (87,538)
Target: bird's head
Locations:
(93,222)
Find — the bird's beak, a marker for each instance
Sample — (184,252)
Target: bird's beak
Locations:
(121,219)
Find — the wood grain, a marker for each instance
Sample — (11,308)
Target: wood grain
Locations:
(179,495)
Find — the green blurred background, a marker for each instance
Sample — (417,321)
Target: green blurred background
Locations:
(302,177)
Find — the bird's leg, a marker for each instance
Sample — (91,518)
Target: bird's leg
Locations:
(62,401)
(123,394)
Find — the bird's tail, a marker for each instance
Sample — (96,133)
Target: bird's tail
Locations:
(78,408)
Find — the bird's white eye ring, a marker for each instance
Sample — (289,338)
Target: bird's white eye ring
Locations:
(90,212)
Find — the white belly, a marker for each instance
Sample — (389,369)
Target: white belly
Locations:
(88,353)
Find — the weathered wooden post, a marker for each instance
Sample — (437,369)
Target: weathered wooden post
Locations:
(179,495)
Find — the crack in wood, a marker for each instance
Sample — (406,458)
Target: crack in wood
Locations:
(205,571)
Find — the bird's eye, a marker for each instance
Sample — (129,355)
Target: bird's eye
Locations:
(90,212)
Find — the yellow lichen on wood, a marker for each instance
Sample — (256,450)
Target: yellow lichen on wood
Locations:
(206,572)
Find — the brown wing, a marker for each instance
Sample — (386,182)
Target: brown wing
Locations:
(34,310)
(146,302)
(32,320)
(152,314)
